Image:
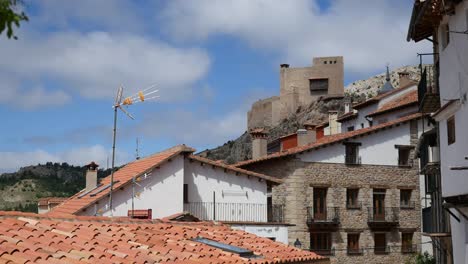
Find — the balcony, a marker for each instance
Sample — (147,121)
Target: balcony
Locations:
(236,212)
(324,252)
(383,218)
(409,249)
(428,95)
(327,219)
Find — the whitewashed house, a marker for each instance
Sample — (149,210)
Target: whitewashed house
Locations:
(175,181)
(443,94)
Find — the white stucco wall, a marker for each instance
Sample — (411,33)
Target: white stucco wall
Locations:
(377,148)
(453,81)
(161,191)
(278,232)
(238,197)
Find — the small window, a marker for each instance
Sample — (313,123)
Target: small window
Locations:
(407,243)
(380,243)
(352,153)
(445,35)
(186,200)
(405,199)
(371,123)
(403,156)
(320,243)
(325,62)
(352,199)
(451,130)
(362,125)
(318,85)
(353,244)
(350,128)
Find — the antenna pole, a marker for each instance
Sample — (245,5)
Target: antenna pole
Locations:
(113,159)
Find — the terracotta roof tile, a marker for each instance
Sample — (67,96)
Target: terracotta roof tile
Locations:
(347,116)
(379,97)
(111,240)
(331,139)
(407,99)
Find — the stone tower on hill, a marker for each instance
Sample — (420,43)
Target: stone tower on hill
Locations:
(299,87)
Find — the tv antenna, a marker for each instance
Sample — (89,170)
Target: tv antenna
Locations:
(138,97)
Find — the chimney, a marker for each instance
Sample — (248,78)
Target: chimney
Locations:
(332,122)
(348,106)
(284,65)
(404,78)
(310,135)
(259,143)
(91,176)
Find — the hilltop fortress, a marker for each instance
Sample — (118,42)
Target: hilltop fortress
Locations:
(299,87)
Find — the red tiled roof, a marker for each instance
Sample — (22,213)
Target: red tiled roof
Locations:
(235,169)
(379,97)
(33,238)
(407,99)
(347,116)
(121,178)
(50,200)
(332,139)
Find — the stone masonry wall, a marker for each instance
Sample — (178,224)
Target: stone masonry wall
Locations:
(296,193)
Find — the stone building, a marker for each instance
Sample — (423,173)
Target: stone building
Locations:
(299,87)
(354,196)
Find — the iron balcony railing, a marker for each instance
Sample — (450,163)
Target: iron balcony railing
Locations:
(383,214)
(324,215)
(236,212)
(324,251)
(407,205)
(428,95)
(354,251)
(382,250)
(406,249)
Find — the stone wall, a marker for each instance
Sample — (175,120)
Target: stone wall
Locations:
(296,193)
(295,91)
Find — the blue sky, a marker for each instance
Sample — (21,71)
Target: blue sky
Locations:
(210,59)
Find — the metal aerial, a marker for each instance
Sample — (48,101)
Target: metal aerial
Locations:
(139,97)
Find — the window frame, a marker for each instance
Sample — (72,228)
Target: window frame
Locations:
(407,244)
(354,194)
(405,198)
(349,152)
(378,249)
(353,247)
(319,84)
(185,194)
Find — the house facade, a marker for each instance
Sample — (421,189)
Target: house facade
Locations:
(174,181)
(443,94)
(355,195)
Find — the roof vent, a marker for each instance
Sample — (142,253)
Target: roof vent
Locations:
(242,252)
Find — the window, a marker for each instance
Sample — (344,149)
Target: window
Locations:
(445,35)
(186,193)
(403,156)
(352,199)
(320,203)
(362,125)
(352,153)
(380,243)
(405,199)
(451,130)
(320,243)
(318,85)
(353,244)
(407,243)
(350,128)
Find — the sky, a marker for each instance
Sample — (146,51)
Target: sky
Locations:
(209,59)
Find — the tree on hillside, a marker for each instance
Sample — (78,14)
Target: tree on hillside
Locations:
(11,16)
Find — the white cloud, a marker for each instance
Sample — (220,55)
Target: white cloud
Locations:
(95,64)
(34,98)
(368,33)
(11,161)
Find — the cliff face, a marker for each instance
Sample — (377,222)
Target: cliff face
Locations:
(317,112)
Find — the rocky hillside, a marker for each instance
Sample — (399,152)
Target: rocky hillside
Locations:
(317,112)
(21,190)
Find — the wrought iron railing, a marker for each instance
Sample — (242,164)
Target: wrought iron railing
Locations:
(427,88)
(407,249)
(407,205)
(354,251)
(382,250)
(324,251)
(328,214)
(236,212)
(383,214)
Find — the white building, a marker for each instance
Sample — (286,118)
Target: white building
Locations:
(445,24)
(175,181)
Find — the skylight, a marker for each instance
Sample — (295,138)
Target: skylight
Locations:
(102,188)
(242,252)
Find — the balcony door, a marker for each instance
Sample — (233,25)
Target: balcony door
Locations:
(379,204)
(320,203)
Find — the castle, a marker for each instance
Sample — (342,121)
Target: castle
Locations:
(299,87)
